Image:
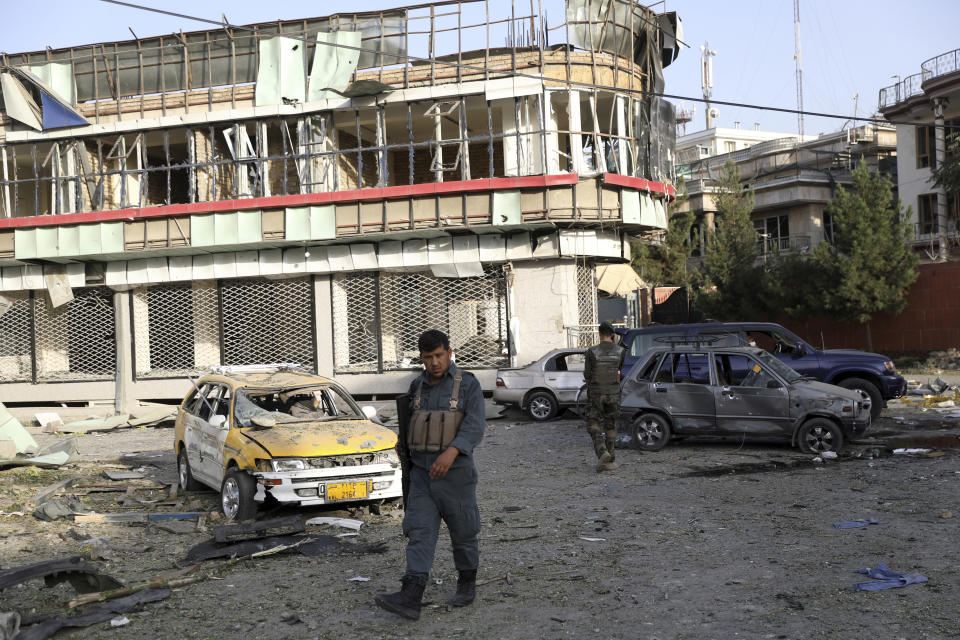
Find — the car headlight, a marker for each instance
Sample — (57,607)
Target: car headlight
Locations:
(386,457)
(889,365)
(289,464)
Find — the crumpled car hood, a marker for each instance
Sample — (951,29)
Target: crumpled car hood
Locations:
(310,439)
(827,389)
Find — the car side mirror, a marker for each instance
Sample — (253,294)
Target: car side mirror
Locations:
(369,412)
(218,421)
(799,350)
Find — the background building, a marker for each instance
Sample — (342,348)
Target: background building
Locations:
(320,191)
(932,97)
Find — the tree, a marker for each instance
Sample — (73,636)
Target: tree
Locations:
(733,280)
(947,174)
(868,267)
(666,263)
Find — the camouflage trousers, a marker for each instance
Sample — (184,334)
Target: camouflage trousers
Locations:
(602,412)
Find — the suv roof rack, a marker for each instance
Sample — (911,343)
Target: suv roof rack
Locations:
(697,341)
(255,368)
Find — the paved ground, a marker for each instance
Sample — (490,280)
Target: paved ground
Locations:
(703,539)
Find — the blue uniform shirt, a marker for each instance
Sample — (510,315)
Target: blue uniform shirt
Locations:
(436,397)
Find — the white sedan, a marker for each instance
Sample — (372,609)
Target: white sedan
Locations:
(544,386)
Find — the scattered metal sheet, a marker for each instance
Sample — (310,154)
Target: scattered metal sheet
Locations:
(308,545)
(259,529)
(346,523)
(333,65)
(45,626)
(69,507)
(123,475)
(9,625)
(95,424)
(83,576)
(54,455)
(48,492)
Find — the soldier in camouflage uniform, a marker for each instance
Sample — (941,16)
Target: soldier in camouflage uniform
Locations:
(601,372)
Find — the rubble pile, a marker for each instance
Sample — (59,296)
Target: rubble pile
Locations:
(949,359)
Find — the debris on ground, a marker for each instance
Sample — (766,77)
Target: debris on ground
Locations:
(9,625)
(150,416)
(41,627)
(886,578)
(258,529)
(308,545)
(855,524)
(83,576)
(346,523)
(25,451)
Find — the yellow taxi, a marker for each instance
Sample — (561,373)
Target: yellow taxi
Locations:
(298,438)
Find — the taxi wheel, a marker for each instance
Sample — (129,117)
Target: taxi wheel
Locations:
(187,481)
(818,435)
(649,432)
(236,496)
(542,406)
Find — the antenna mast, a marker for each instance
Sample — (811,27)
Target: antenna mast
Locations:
(706,81)
(796,57)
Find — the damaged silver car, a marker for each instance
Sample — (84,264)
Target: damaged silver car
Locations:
(698,390)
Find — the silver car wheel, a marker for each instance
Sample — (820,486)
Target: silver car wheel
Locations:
(650,431)
(184,470)
(230,498)
(819,439)
(540,408)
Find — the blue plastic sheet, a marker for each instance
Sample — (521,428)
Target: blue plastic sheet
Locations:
(886,578)
(855,524)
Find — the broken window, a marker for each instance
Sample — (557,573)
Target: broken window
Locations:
(318,402)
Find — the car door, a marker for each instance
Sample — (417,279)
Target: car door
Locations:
(214,432)
(563,374)
(681,388)
(750,399)
(201,436)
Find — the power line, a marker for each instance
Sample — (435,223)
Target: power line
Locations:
(461,65)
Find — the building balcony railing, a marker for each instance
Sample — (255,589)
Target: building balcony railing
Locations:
(900,92)
(941,65)
(930,230)
(783,244)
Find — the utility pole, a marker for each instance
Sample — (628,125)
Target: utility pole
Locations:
(796,57)
(706,80)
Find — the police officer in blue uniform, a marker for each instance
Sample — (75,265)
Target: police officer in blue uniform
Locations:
(447,421)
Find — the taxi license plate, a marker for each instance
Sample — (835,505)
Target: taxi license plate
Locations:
(347,491)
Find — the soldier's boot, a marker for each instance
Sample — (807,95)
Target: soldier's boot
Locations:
(408,600)
(466,589)
(610,464)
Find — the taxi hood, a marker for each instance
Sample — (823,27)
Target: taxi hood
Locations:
(311,439)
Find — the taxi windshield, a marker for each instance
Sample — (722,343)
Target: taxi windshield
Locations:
(305,404)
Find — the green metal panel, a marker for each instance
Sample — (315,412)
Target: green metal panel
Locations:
(201,230)
(68,239)
(225,228)
(630,206)
(296,223)
(111,237)
(506,208)
(248,226)
(323,222)
(648,214)
(47,242)
(89,242)
(333,65)
(281,71)
(24,243)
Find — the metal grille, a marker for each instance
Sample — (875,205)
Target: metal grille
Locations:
(176,329)
(184,329)
(268,321)
(16,359)
(76,341)
(586,334)
(471,311)
(377,319)
(355,341)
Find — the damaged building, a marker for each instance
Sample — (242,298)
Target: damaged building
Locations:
(319,191)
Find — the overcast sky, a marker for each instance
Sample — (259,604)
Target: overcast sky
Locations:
(848,46)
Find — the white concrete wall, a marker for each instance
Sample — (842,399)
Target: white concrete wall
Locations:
(542,302)
(911,181)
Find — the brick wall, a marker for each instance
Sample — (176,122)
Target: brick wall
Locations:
(931,320)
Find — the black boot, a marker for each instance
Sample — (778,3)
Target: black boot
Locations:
(406,602)
(466,589)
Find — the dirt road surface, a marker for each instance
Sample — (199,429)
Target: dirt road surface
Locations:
(701,540)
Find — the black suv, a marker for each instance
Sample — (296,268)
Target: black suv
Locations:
(702,390)
(871,373)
